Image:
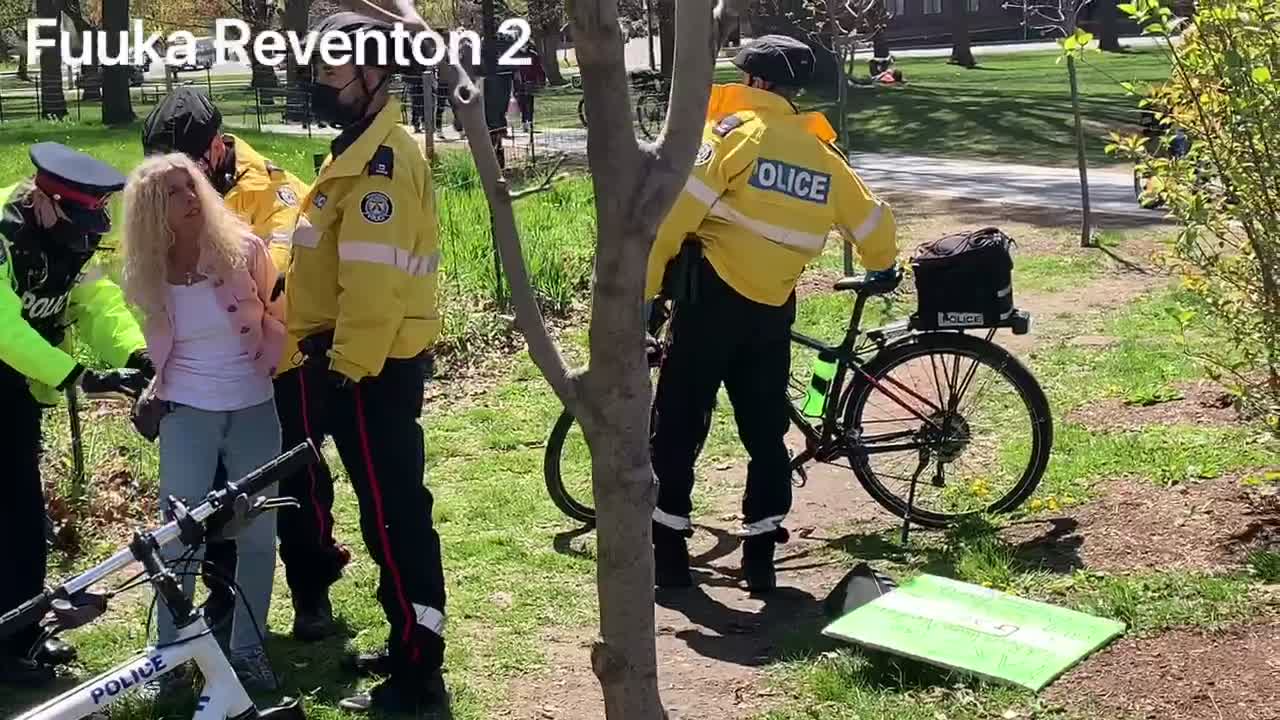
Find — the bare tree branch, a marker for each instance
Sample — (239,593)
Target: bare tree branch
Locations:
(469,106)
(547,182)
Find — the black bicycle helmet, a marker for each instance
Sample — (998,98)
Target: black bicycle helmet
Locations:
(183,121)
(350,23)
(778,59)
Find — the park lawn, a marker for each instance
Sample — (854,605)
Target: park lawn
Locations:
(1014,106)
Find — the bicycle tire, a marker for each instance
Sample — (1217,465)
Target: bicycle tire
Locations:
(651,111)
(560,495)
(582,111)
(994,357)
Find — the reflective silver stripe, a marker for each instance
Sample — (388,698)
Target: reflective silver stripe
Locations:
(305,235)
(760,527)
(869,225)
(675,522)
(280,237)
(416,265)
(430,618)
(795,238)
(1005,292)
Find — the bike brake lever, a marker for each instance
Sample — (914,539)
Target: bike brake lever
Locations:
(243,513)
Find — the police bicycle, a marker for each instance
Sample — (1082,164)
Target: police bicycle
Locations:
(936,425)
(73,604)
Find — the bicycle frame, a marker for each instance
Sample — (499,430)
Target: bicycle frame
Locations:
(223,695)
(823,444)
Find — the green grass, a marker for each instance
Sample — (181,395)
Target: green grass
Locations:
(1055,273)
(1265,565)
(1013,106)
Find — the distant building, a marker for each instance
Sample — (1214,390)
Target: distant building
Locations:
(928,22)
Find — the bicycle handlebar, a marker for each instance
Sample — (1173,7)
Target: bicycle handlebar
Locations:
(255,482)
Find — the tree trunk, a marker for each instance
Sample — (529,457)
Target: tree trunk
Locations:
(117,106)
(1086,222)
(53,102)
(665,10)
(1109,22)
(549,49)
(295,19)
(961,52)
(90,82)
(23,75)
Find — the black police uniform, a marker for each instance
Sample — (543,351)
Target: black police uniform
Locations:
(46,290)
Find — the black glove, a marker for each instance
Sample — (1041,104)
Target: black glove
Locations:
(315,349)
(141,361)
(278,290)
(122,381)
(71,377)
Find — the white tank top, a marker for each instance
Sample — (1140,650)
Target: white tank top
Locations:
(207,369)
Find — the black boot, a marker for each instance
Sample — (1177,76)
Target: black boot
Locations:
(54,652)
(757,560)
(415,698)
(313,618)
(670,557)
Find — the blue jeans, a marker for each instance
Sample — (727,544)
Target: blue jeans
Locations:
(191,440)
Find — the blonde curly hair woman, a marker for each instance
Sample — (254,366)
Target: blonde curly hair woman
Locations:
(203,283)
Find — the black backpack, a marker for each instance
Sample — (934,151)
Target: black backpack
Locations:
(964,280)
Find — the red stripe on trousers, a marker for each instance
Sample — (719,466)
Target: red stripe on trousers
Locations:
(311,470)
(382,524)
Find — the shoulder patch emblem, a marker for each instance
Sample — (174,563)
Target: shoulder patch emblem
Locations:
(376,207)
(383,162)
(319,200)
(727,125)
(705,153)
(287,195)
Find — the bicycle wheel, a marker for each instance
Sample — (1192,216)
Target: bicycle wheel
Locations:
(959,415)
(651,111)
(582,111)
(569,487)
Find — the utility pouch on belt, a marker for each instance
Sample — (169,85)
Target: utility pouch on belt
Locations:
(315,348)
(680,283)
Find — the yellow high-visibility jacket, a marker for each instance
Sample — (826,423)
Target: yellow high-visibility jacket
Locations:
(94,306)
(766,188)
(266,197)
(365,253)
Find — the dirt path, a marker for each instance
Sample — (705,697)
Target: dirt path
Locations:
(715,640)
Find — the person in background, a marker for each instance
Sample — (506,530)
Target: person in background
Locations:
(265,197)
(50,228)
(362,303)
(497,94)
(203,283)
(417,99)
(444,98)
(529,79)
(767,186)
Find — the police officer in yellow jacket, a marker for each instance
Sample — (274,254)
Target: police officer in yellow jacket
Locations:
(50,227)
(766,188)
(267,198)
(361,302)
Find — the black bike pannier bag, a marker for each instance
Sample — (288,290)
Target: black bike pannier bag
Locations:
(964,280)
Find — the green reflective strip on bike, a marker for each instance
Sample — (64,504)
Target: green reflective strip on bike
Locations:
(815,398)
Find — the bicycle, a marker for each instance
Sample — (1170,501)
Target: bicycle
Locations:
(860,425)
(651,105)
(73,605)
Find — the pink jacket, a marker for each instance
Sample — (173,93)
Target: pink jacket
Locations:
(246,296)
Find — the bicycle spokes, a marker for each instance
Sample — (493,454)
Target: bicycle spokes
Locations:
(952,421)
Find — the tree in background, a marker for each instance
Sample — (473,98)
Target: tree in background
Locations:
(117,105)
(1223,95)
(546,17)
(53,102)
(961,49)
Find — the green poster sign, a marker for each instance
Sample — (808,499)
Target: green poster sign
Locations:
(975,629)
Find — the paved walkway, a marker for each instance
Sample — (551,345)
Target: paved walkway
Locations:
(1110,189)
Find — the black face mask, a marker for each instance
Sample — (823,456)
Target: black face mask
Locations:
(329,109)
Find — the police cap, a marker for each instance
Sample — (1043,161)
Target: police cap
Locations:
(777,59)
(185,121)
(81,184)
